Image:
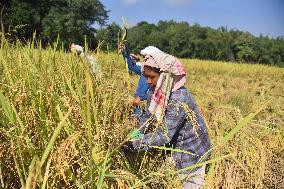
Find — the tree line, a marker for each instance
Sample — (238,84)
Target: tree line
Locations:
(74,21)
(194,41)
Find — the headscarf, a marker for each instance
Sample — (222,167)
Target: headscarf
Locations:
(172,77)
(77,48)
(96,68)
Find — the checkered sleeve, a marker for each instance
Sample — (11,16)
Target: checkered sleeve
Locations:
(163,135)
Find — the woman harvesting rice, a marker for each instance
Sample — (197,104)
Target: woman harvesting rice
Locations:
(170,104)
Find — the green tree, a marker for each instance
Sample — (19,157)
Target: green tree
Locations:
(243,47)
(71,19)
(20,18)
(139,36)
(109,35)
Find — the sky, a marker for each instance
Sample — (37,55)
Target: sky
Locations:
(255,16)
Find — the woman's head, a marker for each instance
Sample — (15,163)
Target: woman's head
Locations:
(152,74)
(151,70)
(166,74)
(165,64)
(76,49)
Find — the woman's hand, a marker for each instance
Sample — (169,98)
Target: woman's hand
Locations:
(127,146)
(136,101)
(122,48)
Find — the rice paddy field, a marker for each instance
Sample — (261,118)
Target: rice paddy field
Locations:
(61,127)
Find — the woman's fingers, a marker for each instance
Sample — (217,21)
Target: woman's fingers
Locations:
(136,101)
(122,47)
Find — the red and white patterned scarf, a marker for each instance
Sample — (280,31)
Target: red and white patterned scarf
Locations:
(172,77)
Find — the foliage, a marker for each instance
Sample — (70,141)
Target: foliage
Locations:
(71,19)
(185,41)
(109,35)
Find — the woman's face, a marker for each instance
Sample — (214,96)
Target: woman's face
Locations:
(151,75)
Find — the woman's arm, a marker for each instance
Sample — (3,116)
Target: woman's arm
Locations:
(142,88)
(174,120)
(131,64)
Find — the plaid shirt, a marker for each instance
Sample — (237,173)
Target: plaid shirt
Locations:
(178,131)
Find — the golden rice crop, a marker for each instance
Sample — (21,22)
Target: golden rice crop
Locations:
(60,127)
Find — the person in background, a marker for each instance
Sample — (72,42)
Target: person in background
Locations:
(172,119)
(142,88)
(96,69)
